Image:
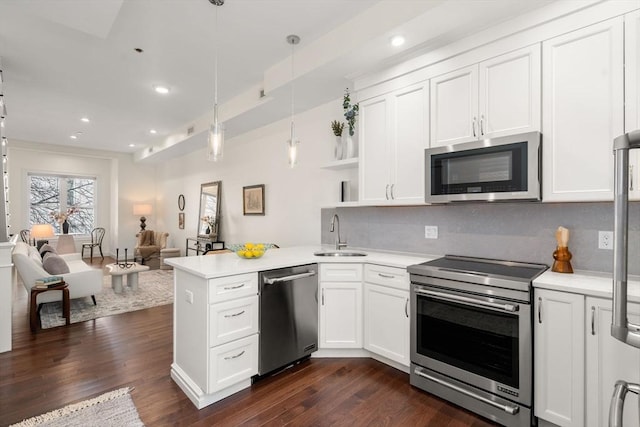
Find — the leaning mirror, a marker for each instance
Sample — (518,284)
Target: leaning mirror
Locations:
(209,220)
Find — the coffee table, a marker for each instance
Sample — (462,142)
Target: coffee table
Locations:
(116,272)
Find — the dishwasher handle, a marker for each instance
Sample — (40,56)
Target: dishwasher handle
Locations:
(272,280)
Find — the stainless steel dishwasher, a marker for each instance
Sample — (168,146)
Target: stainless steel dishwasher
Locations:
(288,316)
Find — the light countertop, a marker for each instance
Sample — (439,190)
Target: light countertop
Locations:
(587,283)
(228,264)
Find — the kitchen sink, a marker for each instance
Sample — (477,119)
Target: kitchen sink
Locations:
(339,253)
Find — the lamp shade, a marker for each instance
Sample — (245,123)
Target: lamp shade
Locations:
(142,209)
(41,231)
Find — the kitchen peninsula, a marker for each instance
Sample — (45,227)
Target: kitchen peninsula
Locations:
(216,313)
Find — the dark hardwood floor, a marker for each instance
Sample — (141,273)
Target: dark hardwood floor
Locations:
(53,368)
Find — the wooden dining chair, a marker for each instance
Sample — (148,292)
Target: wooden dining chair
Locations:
(97,234)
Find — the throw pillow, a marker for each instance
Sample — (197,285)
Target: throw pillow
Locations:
(46,248)
(54,264)
(34,255)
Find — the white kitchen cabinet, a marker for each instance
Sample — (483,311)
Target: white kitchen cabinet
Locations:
(582,104)
(632,94)
(497,97)
(559,334)
(393,136)
(215,335)
(386,312)
(340,306)
(609,360)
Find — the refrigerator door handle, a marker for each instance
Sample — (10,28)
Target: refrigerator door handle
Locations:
(616,406)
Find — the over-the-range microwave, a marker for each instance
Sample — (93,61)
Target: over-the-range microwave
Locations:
(498,169)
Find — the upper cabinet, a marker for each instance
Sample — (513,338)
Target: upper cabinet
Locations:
(497,97)
(582,104)
(632,94)
(393,136)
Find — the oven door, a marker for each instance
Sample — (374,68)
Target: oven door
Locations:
(482,341)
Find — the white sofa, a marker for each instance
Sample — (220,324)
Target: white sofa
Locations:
(83,280)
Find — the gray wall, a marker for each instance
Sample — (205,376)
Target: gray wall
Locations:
(512,231)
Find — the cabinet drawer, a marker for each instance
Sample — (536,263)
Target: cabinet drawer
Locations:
(234,319)
(387,276)
(231,287)
(232,362)
(341,272)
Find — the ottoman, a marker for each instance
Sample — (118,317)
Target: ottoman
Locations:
(168,253)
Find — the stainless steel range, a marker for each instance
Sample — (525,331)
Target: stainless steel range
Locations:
(471,334)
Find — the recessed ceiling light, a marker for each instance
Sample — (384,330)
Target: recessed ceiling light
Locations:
(78,133)
(161,89)
(132,145)
(85,119)
(153,131)
(397,41)
(73,137)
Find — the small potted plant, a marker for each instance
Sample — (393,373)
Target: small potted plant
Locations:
(337,128)
(350,113)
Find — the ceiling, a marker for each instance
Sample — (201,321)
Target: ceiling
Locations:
(67,59)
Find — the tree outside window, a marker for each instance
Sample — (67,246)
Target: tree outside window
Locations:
(50,194)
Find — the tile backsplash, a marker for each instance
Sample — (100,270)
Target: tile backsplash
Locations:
(512,231)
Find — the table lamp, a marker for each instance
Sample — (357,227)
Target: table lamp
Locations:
(142,209)
(40,232)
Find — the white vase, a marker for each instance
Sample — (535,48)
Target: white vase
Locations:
(338,151)
(349,148)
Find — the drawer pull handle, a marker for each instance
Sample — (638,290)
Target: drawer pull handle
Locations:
(234,357)
(234,287)
(386,276)
(234,315)
(406,308)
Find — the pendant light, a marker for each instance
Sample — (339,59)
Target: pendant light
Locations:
(292,144)
(215,139)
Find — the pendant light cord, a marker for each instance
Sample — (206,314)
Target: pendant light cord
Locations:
(215,66)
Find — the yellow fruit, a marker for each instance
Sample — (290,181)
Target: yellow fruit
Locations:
(249,245)
(241,252)
(248,254)
(257,253)
(260,246)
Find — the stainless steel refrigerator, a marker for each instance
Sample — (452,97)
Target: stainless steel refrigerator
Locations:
(621,328)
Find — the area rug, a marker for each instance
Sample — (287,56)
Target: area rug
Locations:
(114,408)
(155,287)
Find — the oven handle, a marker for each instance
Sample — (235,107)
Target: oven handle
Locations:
(510,409)
(511,308)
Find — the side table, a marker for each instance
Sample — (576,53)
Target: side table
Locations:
(34,313)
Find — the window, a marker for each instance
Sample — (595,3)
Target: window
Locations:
(51,194)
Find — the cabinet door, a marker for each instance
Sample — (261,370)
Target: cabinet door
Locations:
(410,137)
(510,93)
(559,357)
(374,150)
(609,360)
(386,322)
(341,315)
(454,107)
(582,104)
(632,94)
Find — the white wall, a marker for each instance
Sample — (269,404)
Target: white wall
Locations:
(293,197)
(120,184)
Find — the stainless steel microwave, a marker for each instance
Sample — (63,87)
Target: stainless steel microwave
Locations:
(498,169)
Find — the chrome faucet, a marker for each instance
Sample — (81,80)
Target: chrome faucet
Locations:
(339,243)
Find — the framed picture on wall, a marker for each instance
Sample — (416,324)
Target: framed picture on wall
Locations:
(253,199)
(181,220)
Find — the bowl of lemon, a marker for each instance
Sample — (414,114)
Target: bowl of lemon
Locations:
(250,250)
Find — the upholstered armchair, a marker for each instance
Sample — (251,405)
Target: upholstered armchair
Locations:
(148,246)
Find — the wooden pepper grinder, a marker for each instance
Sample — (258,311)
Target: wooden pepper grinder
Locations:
(561,255)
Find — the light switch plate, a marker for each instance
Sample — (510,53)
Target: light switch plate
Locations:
(430,232)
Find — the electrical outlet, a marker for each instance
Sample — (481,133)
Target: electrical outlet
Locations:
(430,232)
(605,240)
(188,296)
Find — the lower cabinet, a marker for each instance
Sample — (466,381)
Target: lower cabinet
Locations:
(609,360)
(559,357)
(577,361)
(340,306)
(386,322)
(232,362)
